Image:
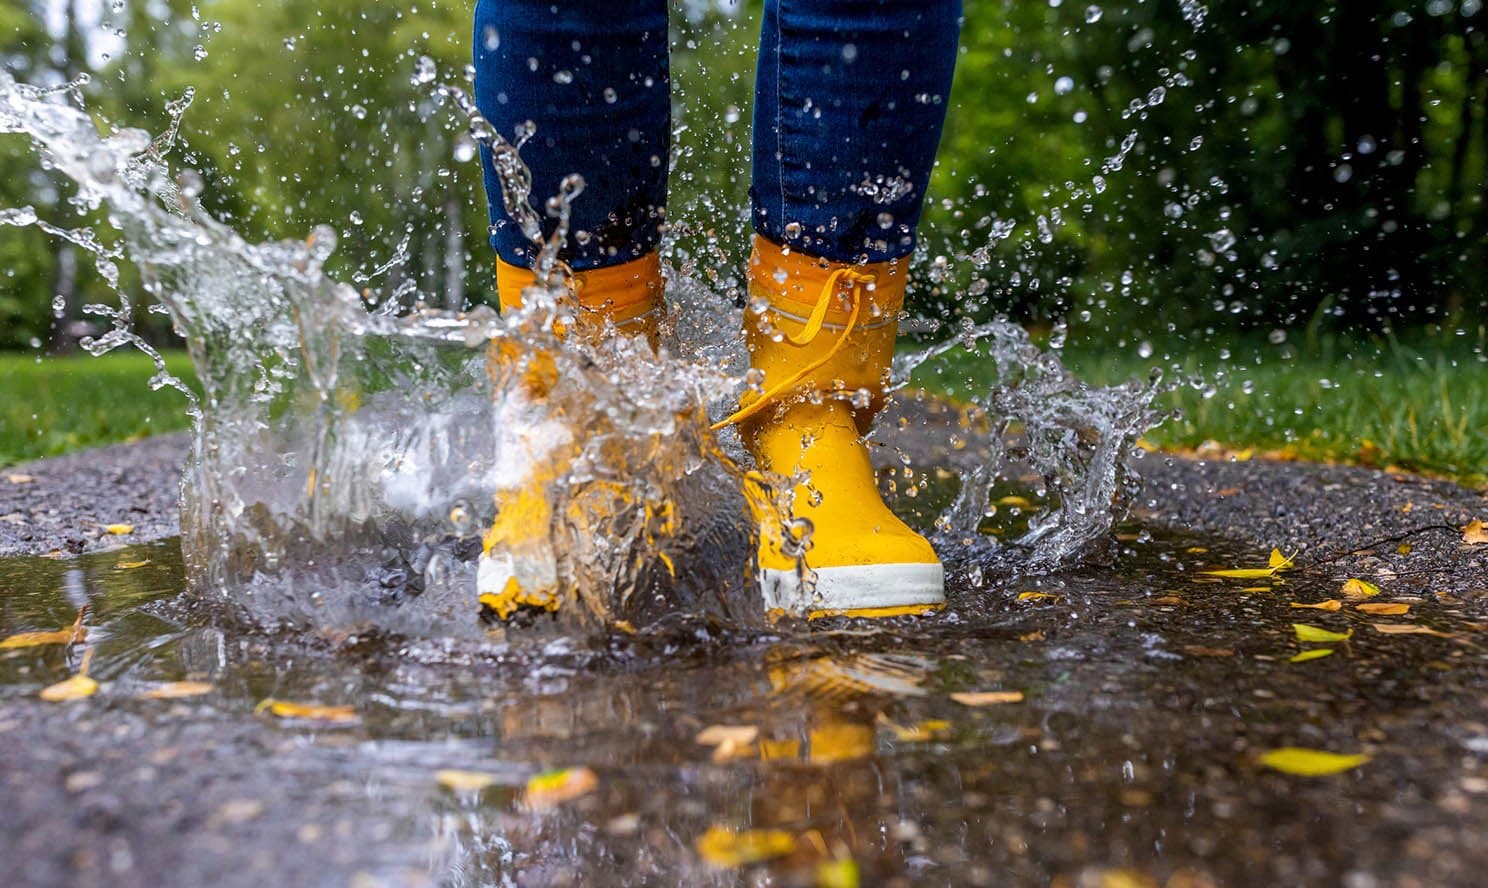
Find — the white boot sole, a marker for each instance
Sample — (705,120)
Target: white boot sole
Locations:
(857,587)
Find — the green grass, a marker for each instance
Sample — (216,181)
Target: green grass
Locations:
(54,405)
(1421,404)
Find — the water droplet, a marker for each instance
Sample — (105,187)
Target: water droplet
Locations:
(199,52)
(793,230)
(465,148)
(1064,85)
(849,53)
(885,220)
(424,71)
(491,38)
(1093,14)
(1144,349)
(355,217)
(1276,337)
(289,43)
(610,95)
(564,77)
(1342,173)
(359,112)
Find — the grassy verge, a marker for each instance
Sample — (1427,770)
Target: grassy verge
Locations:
(1420,404)
(53,405)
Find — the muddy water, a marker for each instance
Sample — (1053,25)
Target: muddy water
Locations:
(1148,691)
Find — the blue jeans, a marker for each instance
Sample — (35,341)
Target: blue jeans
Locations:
(850,97)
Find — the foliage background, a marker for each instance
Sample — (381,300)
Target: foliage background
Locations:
(1284,165)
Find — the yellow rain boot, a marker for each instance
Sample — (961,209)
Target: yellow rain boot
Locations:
(518,569)
(626,295)
(824,343)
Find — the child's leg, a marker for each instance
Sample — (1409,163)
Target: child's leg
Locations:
(593,78)
(850,99)
(851,95)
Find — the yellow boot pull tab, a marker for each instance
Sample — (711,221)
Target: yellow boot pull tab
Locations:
(855,280)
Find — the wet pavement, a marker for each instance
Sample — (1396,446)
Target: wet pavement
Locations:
(1099,726)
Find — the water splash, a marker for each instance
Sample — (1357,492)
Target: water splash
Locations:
(344,458)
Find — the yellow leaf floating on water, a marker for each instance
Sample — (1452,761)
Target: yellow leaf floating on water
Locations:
(1314,654)
(921,732)
(716,735)
(1332,604)
(1038,596)
(838,874)
(729,742)
(1409,629)
(552,788)
(76,634)
(131,565)
(723,847)
(119,529)
(1317,633)
(74,688)
(1358,590)
(36,639)
(309,711)
(1277,562)
(987,698)
(1310,762)
(1475,533)
(175,690)
(1383,608)
(456,780)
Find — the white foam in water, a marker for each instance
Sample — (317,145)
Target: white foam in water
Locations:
(345,460)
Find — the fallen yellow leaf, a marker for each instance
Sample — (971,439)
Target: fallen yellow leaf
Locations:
(1332,604)
(552,788)
(36,639)
(714,735)
(1037,596)
(987,698)
(921,732)
(463,781)
(310,711)
(1314,654)
(1310,762)
(175,690)
(1403,549)
(842,873)
(1277,562)
(1199,650)
(119,529)
(1317,633)
(74,688)
(131,565)
(729,742)
(1409,629)
(1475,533)
(723,847)
(1383,608)
(20,479)
(1357,590)
(1242,573)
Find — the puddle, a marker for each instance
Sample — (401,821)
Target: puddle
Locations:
(1148,690)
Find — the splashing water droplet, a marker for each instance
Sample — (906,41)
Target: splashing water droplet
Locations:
(424,71)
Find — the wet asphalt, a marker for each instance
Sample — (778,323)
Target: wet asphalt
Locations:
(1150,691)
